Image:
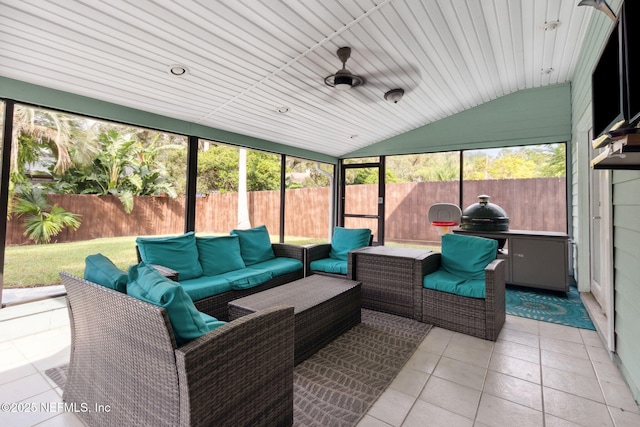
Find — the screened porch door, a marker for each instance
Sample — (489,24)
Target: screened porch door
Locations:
(362,198)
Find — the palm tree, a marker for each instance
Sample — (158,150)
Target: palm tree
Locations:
(34,130)
(42,221)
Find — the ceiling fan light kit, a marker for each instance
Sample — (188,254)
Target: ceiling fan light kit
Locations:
(343,79)
(394,95)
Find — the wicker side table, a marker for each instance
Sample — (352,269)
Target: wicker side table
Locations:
(388,279)
(324,308)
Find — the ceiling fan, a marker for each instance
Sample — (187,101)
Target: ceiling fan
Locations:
(343,79)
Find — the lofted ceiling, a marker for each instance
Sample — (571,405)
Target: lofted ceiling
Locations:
(247,59)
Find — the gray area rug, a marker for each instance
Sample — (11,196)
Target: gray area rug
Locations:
(337,386)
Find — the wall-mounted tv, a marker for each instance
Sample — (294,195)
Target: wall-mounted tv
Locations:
(631,49)
(608,99)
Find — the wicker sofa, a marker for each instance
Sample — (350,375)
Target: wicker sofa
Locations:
(124,357)
(211,292)
(217,305)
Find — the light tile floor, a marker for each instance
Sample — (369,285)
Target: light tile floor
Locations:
(536,374)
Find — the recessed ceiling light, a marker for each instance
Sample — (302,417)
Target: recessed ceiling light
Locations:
(546,71)
(178,70)
(551,25)
(283,110)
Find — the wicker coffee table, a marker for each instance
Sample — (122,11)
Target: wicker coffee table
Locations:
(324,307)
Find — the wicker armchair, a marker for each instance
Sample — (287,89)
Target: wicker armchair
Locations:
(479,317)
(322,251)
(124,355)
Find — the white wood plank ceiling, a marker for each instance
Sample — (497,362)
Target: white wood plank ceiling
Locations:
(247,58)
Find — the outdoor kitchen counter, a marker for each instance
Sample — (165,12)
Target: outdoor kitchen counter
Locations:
(538,259)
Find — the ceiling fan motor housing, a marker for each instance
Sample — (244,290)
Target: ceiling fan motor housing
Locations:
(343,79)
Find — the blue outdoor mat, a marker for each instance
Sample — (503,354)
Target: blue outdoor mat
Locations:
(548,306)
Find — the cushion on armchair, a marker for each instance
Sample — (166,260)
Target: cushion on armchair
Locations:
(329,265)
(219,255)
(467,256)
(347,239)
(179,253)
(255,245)
(101,270)
(146,284)
(462,265)
(443,281)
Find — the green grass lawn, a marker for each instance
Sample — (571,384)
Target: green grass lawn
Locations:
(39,265)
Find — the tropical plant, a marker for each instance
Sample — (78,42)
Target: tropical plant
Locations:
(301,173)
(123,167)
(42,221)
(263,171)
(48,140)
(218,167)
(34,130)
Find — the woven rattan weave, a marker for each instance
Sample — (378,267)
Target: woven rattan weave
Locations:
(124,358)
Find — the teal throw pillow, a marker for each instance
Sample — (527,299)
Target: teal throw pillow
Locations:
(179,253)
(347,239)
(255,245)
(146,284)
(219,255)
(101,270)
(467,256)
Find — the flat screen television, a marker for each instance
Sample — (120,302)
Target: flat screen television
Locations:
(606,86)
(631,49)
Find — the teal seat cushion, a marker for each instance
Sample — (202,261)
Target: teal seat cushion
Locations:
(329,265)
(247,278)
(219,255)
(347,239)
(255,245)
(467,256)
(146,284)
(205,286)
(179,253)
(443,281)
(101,270)
(472,288)
(280,266)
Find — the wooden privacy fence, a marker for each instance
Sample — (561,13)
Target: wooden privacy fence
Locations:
(531,204)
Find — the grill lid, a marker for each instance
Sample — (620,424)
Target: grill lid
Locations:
(484,216)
